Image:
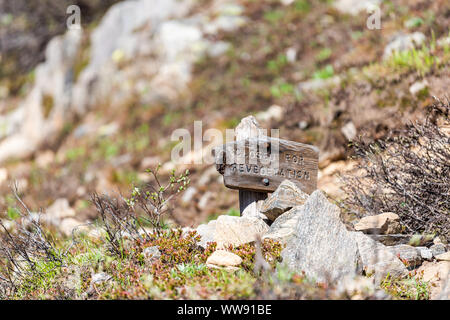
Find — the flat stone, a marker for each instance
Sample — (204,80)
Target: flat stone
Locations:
(377,259)
(235,231)
(283,228)
(403,42)
(425,253)
(321,246)
(407,253)
(354,7)
(443,257)
(224,258)
(391,239)
(206,232)
(285,197)
(151,253)
(437,275)
(385,223)
(254,210)
(438,249)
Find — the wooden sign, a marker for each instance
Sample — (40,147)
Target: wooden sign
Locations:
(261,164)
(256,164)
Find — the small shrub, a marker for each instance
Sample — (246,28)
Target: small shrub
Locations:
(407,173)
(27,255)
(147,205)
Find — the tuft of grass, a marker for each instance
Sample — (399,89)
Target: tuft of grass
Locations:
(409,288)
(420,60)
(324,73)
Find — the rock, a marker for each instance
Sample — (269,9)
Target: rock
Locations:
(206,232)
(204,200)
(321,245)
(437,240)
(349,130)
(3,175)
(354,7)
(316,84)
(216,49)
(44,159)
(274,112)
(248,128)
(224,258)
(437,274)
(403,42)
(418,87)
(438,249)
(231,230)
(254,210)
(443,256)
(291,54)
(58,210)
(407,253)
(149,163)
(394,239)
(285,197)
(100,278)
(189,194)
(207,176)
(357,286)
(385,223)
(425,253)
(377,259)
(31,124)
(283,228)
(67,225)
(151,253)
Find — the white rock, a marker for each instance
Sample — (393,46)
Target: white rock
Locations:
(425,253)
(349,130)
(206,231)
(59,209)
(224,259)
(384,223)
(418,86)
(100,278)
(151,253)
(274,112)
(3,175)
(403,42)
(204,200)
(291,54)
(67,225)
(443,256)
(354,7)
(235,231)
(189,194)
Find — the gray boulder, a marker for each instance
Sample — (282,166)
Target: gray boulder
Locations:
(285,197)
(321,246)
(438,249)
(283,228)
(407,253)
(377,259)
(206,232)
(384,223)
(425,253)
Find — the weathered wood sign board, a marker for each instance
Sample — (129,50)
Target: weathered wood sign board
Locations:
(261,164)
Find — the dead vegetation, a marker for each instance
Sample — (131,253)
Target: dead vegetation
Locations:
(23,251)
(407,173)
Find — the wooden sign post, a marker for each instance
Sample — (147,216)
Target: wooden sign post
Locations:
(256,165)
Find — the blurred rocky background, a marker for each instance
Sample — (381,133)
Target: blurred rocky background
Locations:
(89,110)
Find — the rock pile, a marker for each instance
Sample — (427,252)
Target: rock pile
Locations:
(318,243)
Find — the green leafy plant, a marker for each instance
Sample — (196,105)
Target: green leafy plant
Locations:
(324,73)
